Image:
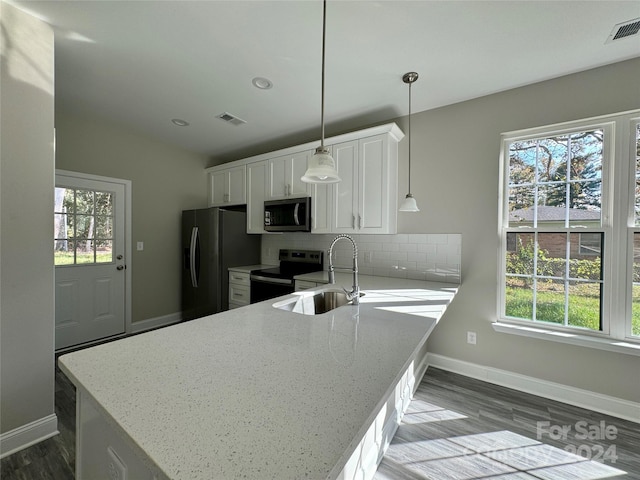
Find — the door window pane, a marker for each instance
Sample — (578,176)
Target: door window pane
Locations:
(83,226)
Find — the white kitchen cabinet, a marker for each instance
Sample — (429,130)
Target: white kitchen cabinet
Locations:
(227,186)
(321,201)
(285,173)
(257,177)
(104,451)
(365,200)
(239,289)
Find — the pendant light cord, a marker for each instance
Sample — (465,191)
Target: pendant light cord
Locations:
(324,28)
(410,138)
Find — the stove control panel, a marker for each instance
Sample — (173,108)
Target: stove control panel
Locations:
(301,256)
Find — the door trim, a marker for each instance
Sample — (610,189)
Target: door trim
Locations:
(127,233)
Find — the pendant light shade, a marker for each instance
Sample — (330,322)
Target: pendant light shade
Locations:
(409,203)
(322,166)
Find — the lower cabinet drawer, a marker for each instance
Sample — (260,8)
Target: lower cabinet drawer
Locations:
(239,278)
(239,294)
(233,305)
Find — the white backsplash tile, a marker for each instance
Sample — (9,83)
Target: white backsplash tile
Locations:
(418,256)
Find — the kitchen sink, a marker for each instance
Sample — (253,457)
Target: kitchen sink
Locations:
(322,302)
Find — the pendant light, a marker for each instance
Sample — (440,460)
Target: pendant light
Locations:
(322,167)
(409,203)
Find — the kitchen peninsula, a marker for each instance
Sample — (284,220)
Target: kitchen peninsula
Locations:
(256,392)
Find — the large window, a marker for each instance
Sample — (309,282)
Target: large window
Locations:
(568,217)
(635,233)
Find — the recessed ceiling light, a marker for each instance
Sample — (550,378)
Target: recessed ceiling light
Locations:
(179,122)
(262,83)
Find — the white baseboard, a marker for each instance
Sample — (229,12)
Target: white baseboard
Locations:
(156,322)
(597,402)
(27,435)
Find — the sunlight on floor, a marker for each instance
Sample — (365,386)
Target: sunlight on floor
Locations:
(502,455)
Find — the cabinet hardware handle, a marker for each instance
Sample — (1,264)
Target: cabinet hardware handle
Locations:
(353,221)
(359,221)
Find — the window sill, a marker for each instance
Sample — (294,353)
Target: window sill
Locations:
(608,344)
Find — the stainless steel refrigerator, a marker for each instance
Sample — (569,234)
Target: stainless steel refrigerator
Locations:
(213,239)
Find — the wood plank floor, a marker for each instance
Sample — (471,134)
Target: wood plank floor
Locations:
(54,458)
(456,428)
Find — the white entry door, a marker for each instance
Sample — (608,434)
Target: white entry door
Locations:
(90,259)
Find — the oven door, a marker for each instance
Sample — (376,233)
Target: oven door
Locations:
(265,288)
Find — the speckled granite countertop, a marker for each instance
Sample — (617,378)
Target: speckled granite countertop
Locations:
(249,268)
(258,392)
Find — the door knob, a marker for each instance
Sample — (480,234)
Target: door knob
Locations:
(120,267)
(119,257)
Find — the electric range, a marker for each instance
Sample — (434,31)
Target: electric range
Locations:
(274,282)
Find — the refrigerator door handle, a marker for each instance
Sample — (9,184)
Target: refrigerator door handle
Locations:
(192,257)
(295,214)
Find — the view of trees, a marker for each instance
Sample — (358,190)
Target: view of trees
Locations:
(567,170)
(83,225)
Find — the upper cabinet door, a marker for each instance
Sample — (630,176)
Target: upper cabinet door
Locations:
(237,194)
(285,173)
(278,185)
(257,174)
(377,181)
(321,206)
(364,201)
(345,193)
(218,188)
(227,187)
(299,164)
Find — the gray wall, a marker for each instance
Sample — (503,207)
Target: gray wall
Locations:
(455,181)
(164,181)
(26,200)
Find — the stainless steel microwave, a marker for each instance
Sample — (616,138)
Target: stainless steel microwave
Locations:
(288,215)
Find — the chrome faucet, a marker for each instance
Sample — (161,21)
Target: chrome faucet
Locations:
(354,294)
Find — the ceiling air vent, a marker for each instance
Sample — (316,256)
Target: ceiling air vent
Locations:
(623,30)
(232,119)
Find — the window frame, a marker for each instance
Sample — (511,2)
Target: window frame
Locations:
(583,247)
(630,224)
(617,225)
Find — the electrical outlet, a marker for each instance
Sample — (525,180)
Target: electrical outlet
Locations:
(368,257)
(140,246)
(471,338)
(116,470)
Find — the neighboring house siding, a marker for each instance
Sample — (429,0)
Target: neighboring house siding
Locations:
(554,244)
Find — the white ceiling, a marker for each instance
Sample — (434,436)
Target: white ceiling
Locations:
(143,63)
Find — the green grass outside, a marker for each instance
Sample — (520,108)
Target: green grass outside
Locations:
(66,258)
(584,310)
